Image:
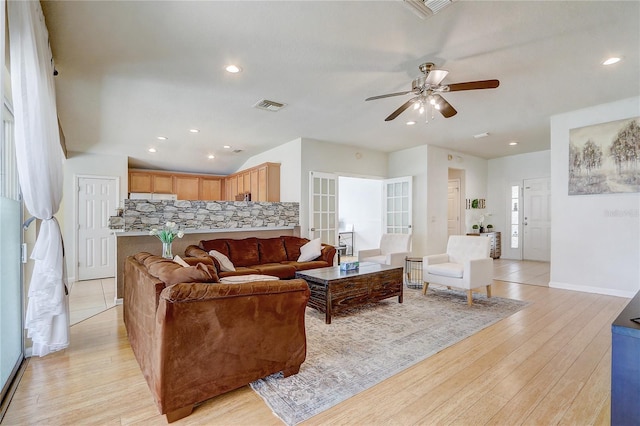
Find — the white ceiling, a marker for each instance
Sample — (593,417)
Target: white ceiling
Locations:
(131,71)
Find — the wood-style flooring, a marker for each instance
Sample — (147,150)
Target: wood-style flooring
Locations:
(547,364)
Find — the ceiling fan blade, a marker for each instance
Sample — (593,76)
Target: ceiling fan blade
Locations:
(473,85)
(400,110)
(444,107)
(388,95)
(435,77)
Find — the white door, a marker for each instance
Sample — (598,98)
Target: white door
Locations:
(323,207)
(536,220)
(97,200)
(453,207)
(398,197)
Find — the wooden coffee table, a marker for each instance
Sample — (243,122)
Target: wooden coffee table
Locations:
(333,290)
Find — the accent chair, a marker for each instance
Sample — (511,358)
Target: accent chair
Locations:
(466,265)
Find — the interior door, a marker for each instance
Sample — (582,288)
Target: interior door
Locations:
(11,297)
(453,207)
(398,199)
(97,201)
(323,207)
(536,219)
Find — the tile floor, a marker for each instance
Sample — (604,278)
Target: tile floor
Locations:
(88,298)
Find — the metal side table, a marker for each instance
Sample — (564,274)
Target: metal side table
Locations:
(413,271)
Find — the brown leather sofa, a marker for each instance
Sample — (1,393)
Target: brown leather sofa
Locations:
(263,256)
(195,340)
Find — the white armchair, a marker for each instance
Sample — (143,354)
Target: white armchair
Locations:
(466,265)
(394,248)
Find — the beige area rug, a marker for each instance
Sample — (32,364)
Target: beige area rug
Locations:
(367,345)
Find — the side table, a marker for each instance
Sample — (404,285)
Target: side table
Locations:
(413,269)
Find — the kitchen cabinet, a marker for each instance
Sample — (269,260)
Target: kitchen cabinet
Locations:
(162,184)
(187,187)
(140,182)
(210,189)
(262,181)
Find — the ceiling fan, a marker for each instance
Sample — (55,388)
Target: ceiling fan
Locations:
(427,89)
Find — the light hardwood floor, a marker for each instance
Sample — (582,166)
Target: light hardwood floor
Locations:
(547,364)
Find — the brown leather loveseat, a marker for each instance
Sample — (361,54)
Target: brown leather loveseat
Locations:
(263,256)
(196,338)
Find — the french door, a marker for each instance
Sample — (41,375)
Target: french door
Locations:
(398,199)
(323,207)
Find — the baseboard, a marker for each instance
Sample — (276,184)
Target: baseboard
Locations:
(589,289)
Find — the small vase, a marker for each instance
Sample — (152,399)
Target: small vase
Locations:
(166,251)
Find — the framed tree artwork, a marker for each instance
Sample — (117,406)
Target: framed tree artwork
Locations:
(605,158)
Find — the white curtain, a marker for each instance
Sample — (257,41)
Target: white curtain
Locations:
(40,161)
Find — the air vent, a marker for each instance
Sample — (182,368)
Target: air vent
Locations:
(426,8)
(269,105)
(237,151)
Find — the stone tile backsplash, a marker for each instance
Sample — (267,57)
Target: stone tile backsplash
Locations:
(143,215)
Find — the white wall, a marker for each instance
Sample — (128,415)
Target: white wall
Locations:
(502,174)
(288,155)
(429,165)
(595,239)
(88,165)
(413,162)
(360,204)
(343,160)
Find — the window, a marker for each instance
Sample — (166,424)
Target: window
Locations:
(515,216)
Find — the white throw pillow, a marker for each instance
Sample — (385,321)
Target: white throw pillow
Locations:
(225,263)
(180,261)
(310,251)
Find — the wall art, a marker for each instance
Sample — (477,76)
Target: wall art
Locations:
(605,158)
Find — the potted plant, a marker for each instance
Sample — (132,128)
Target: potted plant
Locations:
(475,229)
(489,228)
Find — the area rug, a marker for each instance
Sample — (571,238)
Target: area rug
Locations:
(367,345)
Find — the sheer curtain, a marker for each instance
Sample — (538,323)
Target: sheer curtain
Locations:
(40,160)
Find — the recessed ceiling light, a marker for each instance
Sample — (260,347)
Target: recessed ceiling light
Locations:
(410,123)
(211,156)
(194,130)
(513,143)
(162,138)
(233,69)
(611,61)
(152,150)
(481,135)
(227,147)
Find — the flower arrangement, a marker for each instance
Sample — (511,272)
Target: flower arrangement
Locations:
(168,233)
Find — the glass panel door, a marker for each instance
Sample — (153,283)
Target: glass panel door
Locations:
(11,301)
(397,196)
(323,207)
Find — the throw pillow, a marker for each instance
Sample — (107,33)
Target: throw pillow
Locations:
(180,261)
(225,264)
(310,251)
